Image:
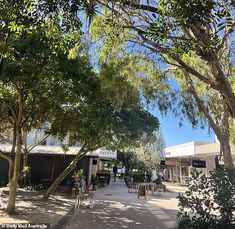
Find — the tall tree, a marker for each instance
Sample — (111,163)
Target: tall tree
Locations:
(150,149)
(97,122)
(146,155)
(34,86)
(171,29)
(66,93)
(205,100)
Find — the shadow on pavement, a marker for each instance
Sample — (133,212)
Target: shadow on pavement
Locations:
(115,215)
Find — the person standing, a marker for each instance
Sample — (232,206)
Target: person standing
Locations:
(162,175)
(154,175)
(154,178)
(123,171)
(114,172)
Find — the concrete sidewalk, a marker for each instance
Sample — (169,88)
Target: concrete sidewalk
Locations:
(116,208)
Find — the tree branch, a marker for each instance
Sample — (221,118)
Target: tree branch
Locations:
(43,138)
(202,107)
(5,155)
(224,39)
(195,73)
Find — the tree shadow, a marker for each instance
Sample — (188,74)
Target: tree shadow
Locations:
(108,214)
(33,209)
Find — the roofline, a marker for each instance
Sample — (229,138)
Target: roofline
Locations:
(57,150)
(195,143)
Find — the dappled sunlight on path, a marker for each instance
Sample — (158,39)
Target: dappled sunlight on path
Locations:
(116,208)
(31,208)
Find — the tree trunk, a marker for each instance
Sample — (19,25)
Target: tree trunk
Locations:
(25,158)
(225,142)
(15,177)
(53,169)
(233,137)
(16,173)
(61,177)
(222,135)
(11,162)
(228,160)
(10,170)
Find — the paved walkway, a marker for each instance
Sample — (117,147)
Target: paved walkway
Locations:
(115,208)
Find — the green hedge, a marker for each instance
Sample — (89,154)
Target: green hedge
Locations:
(205,196)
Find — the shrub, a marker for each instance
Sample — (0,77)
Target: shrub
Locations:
(159,179)
(78,175)
(138,176)
(209,202)
(94,180)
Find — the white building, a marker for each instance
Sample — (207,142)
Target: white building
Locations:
(181,160)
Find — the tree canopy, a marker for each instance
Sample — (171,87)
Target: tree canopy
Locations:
(145,156)
(168,31)
(49,79)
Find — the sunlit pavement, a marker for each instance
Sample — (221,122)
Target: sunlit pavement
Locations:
(116,208)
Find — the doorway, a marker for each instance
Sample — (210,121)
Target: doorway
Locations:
(184,175)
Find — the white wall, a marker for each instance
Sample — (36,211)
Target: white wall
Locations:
(193,149)
(210,163)
(208,149)
(180,150)
(35,135)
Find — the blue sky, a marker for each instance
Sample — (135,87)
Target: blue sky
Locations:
(174,135)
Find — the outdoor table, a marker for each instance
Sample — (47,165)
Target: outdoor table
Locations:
(152,185)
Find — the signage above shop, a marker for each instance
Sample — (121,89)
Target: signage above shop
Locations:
(170,162)
(103,153)
(199,164)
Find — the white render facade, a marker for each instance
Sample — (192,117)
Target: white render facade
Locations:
(181,160)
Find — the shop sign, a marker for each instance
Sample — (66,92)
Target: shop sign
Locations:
(170,162)
(104,153)
(199,164)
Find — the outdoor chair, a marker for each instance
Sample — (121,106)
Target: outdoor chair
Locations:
(132,187)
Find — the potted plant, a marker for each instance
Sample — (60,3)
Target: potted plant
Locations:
(94,182)
(78,177)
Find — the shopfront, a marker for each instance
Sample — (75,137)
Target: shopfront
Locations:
(181,160)
(184,167)
(171,172)
(200,166)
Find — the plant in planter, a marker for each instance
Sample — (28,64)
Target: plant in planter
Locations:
(24,179)
(78,177)
(94,182)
